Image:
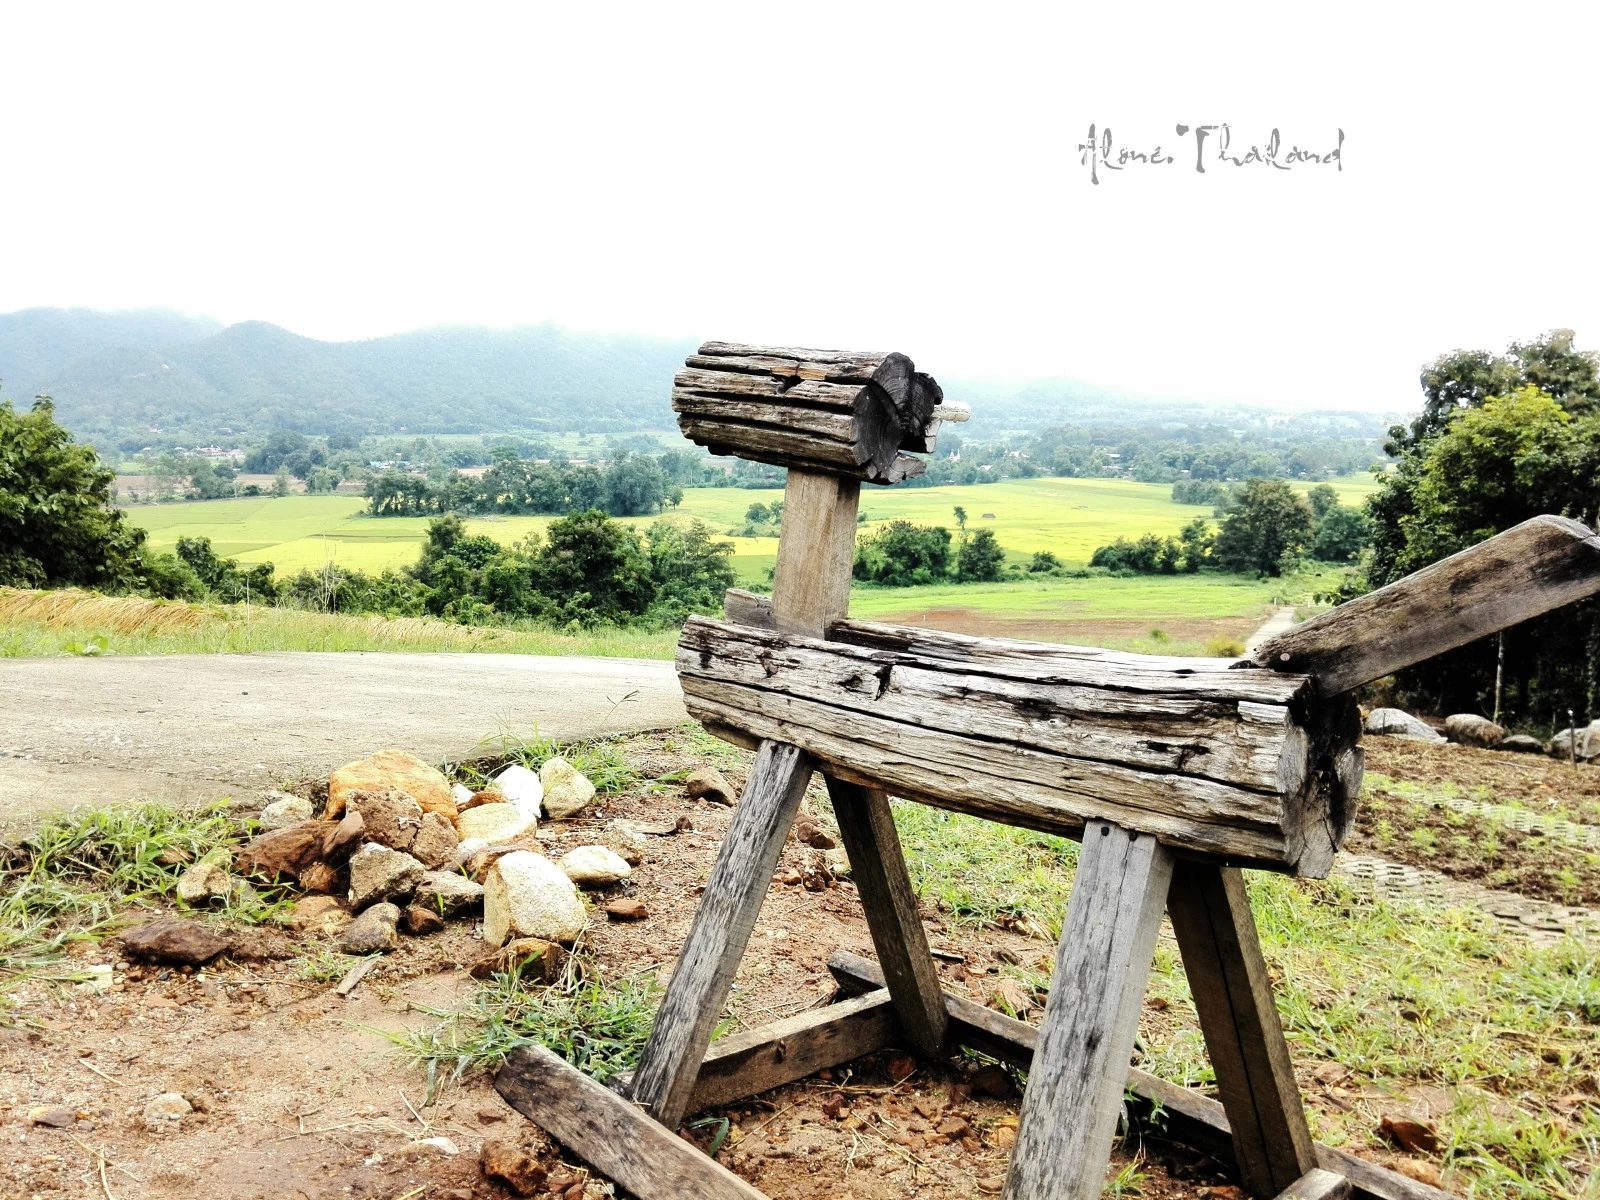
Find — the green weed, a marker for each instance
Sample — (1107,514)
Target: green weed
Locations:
(598,1026)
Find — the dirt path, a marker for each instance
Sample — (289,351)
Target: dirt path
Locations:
(189,728)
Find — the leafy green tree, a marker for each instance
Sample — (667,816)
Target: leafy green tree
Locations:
(1195,544)
(280,482)
(1044,562)
(1487,467)
(57,525)
(270,455)
(690,570)
(322,480)
(1269,525)
(224,578)
(593,569)
(1341,535)
(1465,379)
(901,554)
(1323,498)
(981,559)
(757,514)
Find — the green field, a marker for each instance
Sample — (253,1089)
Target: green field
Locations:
(1068,516)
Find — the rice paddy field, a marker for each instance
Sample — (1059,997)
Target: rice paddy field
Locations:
(1070,517)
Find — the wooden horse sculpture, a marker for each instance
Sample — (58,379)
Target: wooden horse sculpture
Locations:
(1173,772)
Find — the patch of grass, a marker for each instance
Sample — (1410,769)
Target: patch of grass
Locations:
(45,624)
(1402,995)
(65,882)
(326,965)
(987,874)
(601,759)
(599,1026)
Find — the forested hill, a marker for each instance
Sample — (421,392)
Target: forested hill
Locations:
(118,378)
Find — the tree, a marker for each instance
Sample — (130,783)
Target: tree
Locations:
(1465,379)
(57,525)
(1341,535)
(1490,465)
(1323,499)
(981,559)
(280,481)
(690,570)
(224,578)
(1044,562)
(901,554)
(593,569)
(1269,524)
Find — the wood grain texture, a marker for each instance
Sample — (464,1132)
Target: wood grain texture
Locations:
(878,869)
(665,1079)
(816,550)
(608,1132)
(741,607)
(759,1060)
(1210,912)
(1187,1116)
(1074,1092)
(1317,1184)
(1512,577)
(843,412)
(1237,763)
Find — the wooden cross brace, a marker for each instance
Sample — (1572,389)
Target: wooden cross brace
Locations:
(1277,777)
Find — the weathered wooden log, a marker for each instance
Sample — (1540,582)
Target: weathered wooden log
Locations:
(1251,766)
(1512,577)
(607,1130)
(835,411)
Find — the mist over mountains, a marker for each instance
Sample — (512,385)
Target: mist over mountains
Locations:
(125,380)
(136,378)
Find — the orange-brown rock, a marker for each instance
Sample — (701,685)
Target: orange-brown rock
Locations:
(283,852)
(391,769)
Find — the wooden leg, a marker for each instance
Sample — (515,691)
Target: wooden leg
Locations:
(1074,1093)
(611,1133)
(878,869)
(1210,913)
(739,881)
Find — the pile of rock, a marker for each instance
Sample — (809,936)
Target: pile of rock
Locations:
(1469,729)
(398,848)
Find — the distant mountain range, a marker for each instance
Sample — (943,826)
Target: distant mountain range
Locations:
(125,380)
(152,377)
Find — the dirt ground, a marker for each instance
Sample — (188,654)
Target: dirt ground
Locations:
(297,1094)
(1500,831)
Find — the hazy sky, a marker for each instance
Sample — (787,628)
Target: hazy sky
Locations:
(852,175)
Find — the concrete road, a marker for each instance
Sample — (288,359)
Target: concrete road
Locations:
(189,728)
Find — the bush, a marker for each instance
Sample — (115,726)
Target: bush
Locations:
(902,554)
(981,559)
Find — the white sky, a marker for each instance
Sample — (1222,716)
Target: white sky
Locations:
(851,175)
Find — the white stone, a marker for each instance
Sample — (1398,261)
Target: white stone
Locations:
(527,895)
(1394,722)
(567,790)
(594,866)
(291,810)
(203,883)
(460,793)
(432,1145)
(1588,742)
(167,1109)
(521,787)
(495,823)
